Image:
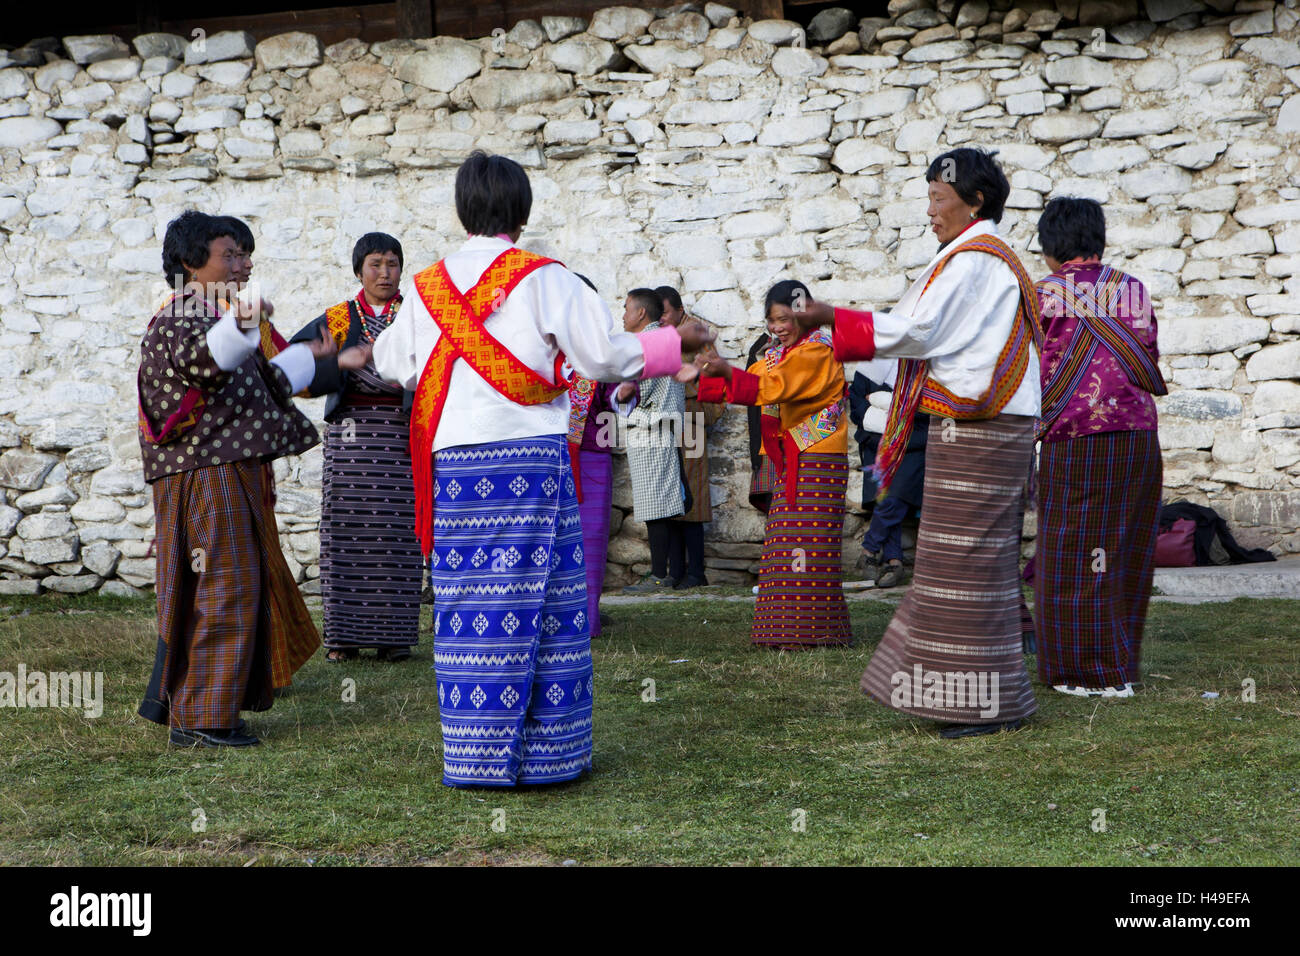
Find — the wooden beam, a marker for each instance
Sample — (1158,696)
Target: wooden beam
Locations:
(767,9)
(415,18)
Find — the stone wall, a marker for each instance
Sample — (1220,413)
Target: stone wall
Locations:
(698,149)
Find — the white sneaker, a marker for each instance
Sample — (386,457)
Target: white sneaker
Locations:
(1076,691)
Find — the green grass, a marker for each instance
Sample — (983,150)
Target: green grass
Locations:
(711,773)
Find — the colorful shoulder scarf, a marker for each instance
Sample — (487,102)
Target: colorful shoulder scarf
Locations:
(914,388)
(1094,307)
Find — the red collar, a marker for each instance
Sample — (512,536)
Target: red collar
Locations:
(369,310)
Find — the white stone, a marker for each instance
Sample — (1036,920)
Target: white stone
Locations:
(92,49)
(936,52)
(855,155)
(178,85)
(49,495)
(527,34)
(961,97)
(301,142)
(583,55)
(571,131)
(1270,362)
(444,66)
(1024,155)
(684,26)
(753,225)
(48,551)
(24,131)
(225,45)
(1155,75)
(708,111)
(286,50)
(1155,180)
(918,136)
(1197,155)
(1275,397)
(228,74)
(115,71)
(208,119)
(36,527)
(1264,214)
(793,130)
(494,92)
(557,28)
(151,45)
(1026,104)
(24,470)
(822,213)
(47,77)
(1189,335)
(614,23)
(1063,128)
(886,102)
(661,57)
(1079,71)
(798,61)
(1135,123)
(1288,116)
(1273,50)
(776,32)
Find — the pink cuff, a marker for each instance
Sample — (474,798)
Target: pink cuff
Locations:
(662,348)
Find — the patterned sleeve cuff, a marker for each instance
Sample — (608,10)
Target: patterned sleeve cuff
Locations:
(854,338)
(744,387)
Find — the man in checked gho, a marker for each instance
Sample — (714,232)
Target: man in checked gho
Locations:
(481,337)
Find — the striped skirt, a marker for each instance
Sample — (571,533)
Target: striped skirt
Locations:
(371,568)
(597,472)
(800,594)
(213,657)
(511,645)
(953,649)
(1099,503)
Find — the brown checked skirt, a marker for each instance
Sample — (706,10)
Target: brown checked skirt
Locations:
(214,620)
(961,615)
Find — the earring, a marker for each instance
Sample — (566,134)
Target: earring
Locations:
(972,215)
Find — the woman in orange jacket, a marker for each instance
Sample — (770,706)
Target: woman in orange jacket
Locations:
(802,390)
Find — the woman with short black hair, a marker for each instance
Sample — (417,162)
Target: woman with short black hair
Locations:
(371,569)
(1099,473)
(967,337)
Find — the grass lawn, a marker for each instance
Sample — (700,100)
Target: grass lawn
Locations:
(746,757)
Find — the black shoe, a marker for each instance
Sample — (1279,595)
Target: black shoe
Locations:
(890,575)
(686,583)
(605,620)
(392,654)
(214,738)
(870,565)
(650,585)
(953,731)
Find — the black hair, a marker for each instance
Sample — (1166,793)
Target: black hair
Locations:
(670,295)
(186,243)
(649,298)
(973,173)
(492,194)
(590,285)
(788,292)
(1072,228)
(239,231)
(371,243)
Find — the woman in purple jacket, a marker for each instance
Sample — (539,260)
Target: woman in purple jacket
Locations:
(1100,473)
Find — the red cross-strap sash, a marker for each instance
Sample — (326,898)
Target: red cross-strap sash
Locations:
(460,317)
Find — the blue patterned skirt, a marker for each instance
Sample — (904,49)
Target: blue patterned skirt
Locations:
(512,646)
